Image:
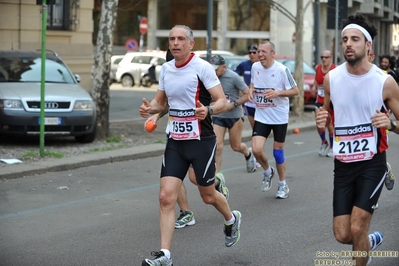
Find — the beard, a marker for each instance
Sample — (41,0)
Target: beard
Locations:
(384,67)
(354,60)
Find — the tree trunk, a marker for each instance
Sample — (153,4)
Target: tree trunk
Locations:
(102,66)
(298,101)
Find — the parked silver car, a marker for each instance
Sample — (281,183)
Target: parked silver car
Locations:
(69,109)
(115,60)
(134,65)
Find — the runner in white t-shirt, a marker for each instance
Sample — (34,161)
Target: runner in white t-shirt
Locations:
(188,84)
(271,86)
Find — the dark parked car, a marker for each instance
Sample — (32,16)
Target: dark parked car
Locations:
(69,110)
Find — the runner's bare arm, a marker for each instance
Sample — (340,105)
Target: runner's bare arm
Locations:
(322,114)
(244,97)
(220,103)
(251,91)
(271,94)
(391,97)
(155,106)
(159,102)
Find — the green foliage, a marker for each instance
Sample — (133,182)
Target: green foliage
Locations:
(100,149)
(113,139)
(32,154)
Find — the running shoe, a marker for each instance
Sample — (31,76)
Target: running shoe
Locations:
(221,187)
(185,218)
(232,232)
(376,239)
(258,165)
(251,162)
(267,181)
(159,260)
(330,153)
(389,178)
(323,149)
(282,192)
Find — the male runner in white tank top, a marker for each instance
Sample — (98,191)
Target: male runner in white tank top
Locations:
(357,93)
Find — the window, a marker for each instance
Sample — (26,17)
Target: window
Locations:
(58,15)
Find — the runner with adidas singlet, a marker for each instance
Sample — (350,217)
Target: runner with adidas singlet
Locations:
(188,84)
(355,94)
(186,217)
(271,86)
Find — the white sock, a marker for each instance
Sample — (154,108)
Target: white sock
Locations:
(166,252)
(281,183)
(231,221)
(268,171)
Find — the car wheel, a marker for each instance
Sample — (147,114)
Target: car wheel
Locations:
(146,81)
(127,81)
(88,138)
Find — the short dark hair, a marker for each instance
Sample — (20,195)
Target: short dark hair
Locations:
(361,21)
(391,59)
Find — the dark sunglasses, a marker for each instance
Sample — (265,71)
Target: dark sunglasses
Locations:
(324,57)
(252,52)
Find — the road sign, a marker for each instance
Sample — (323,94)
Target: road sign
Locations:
(143,25)
(131,45)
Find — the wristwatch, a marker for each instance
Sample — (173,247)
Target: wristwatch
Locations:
(235,104)
(210,110)
(393,125)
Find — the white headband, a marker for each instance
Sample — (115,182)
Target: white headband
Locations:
(358,27)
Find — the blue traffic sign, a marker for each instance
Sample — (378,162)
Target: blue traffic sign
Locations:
(131,45)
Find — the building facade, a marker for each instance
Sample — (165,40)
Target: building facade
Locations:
(69,31)
(72,26)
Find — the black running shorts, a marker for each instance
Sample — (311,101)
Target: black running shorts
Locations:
(279,131)
(358,184)
(225,122)
(179,154)
(249,111)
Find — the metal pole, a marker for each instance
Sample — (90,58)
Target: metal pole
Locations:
(209,30)
(43,76)
(141,42)
(336,32)
(316,31)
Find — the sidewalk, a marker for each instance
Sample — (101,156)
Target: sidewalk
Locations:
(125,154)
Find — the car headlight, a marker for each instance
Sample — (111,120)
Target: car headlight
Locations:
(11,104)
(306,87)
(83,105)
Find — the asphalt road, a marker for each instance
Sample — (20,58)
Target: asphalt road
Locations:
(125,101)
(108,215)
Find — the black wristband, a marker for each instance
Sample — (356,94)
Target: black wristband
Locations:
(210,110)
(393,125)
